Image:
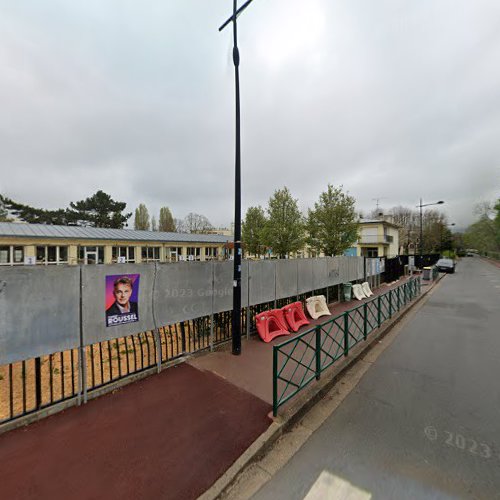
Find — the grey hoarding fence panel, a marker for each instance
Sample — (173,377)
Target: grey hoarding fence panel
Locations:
(305,282)
(344,268)
(223,285)
(333,268)
(261,281)
(286,278)
(320,273)
(353,268)
(183,291)
(361,268)
(372,266)
(369,267)
(94,301)
(39,311)
(244,283)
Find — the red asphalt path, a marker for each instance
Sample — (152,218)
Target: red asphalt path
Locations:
(167,436)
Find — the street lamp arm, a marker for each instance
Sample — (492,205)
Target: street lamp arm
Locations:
(429,204)
(238,12)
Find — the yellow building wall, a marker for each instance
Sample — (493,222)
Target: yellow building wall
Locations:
(30,245)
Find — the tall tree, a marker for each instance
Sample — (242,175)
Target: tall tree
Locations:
(179,226)
(196,223)
(253,230)
(4,214)
(100,210)
(284,229)
(434,227)
(167,223)
(154,225)
(332,224)
(141,219)
(497,223)
(409,225)
(484,234)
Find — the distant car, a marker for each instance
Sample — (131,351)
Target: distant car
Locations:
(445,266)
(470,254)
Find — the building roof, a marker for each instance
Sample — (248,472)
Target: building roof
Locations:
(377,221)
(20,230)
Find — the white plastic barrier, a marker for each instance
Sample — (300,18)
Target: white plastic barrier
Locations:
(316,306)
(366,289)
(357,290)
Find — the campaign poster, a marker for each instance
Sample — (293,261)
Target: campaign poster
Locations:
(122,299)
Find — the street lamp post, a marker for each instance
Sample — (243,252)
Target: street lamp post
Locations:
(236,315)
(421,227)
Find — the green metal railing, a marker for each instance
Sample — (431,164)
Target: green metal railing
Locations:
(301,359)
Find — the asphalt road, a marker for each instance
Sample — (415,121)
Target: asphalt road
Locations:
(424,421)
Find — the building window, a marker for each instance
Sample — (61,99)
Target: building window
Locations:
(150,254)
(173,253)
(193,253)
(11,255)
(211,253)
(51,255)
(371,252)
(91,255)
(123,254)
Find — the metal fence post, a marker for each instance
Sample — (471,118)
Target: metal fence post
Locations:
(38,383)
(275,381)
(183,337)
(390,303)
(379,309)
(82,378)
(318,351)
(211,340)
(365,320)
(248,301)
(346,333)
(157,339)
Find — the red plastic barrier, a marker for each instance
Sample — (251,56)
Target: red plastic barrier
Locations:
(294,315)
(271,324)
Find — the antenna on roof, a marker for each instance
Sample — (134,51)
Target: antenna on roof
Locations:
(378,201)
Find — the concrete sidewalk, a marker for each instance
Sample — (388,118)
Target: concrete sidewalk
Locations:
(171,435)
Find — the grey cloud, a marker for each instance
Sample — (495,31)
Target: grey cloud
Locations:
(393,100)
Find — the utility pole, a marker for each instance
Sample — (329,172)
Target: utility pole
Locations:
(236,316)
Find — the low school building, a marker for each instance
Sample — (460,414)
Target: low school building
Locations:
(40,244)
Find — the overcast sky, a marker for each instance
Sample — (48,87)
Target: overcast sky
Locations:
(392,99)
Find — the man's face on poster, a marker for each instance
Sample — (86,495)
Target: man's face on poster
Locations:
(122,293)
